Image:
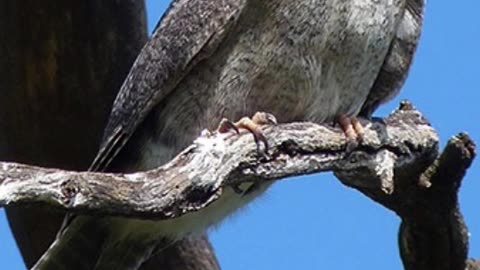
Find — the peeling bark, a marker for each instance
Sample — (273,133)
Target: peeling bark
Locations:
(397,164)
(200,174)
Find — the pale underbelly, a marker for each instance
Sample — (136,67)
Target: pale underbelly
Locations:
(191,223)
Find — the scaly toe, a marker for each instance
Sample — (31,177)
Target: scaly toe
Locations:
(226,126)
(253,125)
(352,128)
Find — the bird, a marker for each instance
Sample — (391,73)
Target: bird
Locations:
(322,61)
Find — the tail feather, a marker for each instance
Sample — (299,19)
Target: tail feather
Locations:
(99,243)
(133,254)
(77,248)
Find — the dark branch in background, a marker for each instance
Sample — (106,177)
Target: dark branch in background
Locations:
(397,165)
(61,64)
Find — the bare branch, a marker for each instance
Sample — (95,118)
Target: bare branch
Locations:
(433,234)
(198,175)
(473,265)
(397,164)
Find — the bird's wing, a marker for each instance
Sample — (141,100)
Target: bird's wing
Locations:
(189,31)
(399,58)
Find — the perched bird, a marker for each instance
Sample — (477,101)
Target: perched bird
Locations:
(301,60)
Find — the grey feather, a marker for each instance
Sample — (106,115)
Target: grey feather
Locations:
(301,60)
(81,240)
(189,32)
(399,59)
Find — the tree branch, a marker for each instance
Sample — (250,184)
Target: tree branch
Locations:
(397,164)
(433,234)
(199,174)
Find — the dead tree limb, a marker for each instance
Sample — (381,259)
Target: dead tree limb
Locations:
(397,164)
(214,162)
(432,233)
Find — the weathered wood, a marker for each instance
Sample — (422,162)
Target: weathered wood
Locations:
(433,234)
(397,164)
(473,265)
(214,162)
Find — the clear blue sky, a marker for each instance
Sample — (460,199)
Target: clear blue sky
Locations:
(315,222)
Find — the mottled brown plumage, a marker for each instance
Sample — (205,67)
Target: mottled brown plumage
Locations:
(300,60)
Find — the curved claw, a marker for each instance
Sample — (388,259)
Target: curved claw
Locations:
(226,125)
(263,118)
(252,125)
(254,128)
(352,128)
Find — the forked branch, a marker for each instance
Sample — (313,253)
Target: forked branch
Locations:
(397,164)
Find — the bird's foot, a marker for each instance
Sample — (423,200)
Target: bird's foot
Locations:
(353,130)
(253,125)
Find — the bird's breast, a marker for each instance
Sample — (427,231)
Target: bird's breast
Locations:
(300,60)
(309,60)
(303,60)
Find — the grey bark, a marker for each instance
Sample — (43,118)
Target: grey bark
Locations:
(397,164)
(61,65)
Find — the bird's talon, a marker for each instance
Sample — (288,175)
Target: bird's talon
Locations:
(358,128)
(226,126)
(263,118)
(253,125)
(263,154)
(351,145)
(352,128)
(259,139)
